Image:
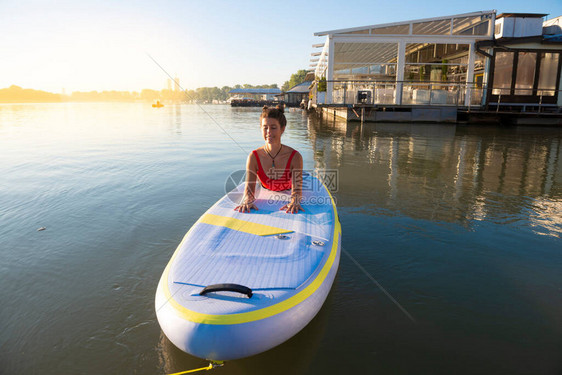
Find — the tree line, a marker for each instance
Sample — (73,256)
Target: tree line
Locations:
(16,94)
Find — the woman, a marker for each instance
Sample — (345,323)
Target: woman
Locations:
(277,166)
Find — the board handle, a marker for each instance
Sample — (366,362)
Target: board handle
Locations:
(227,288)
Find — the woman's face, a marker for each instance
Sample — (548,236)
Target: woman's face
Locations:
(271,130)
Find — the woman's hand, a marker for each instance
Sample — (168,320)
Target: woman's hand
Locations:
(246,206)
(293,207)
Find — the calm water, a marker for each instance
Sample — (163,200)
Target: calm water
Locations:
(461,225)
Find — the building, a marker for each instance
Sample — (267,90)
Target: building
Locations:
(459,63)
(296,94)
(253,97)
(525,60)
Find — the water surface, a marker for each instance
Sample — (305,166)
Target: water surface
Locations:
(460,224)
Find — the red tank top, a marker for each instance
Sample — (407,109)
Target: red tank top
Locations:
(279,184)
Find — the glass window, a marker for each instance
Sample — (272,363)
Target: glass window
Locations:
(360,70)
(434,53)
(378,72)
(440,50)
(548,73)
(436,62)
(470,26)
(481,29)
(456,48)
(445,72)
(437,27)
(525,73)
(479,63)
(398,29)
(358,32)
(365,52)
(502,73)
(383,69)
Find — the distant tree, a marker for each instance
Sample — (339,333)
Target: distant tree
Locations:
(295,79)
(191,95)
(225,92)
(16,94)
(150,95)
(208,94)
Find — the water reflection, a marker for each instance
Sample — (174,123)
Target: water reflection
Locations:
(119,184)
(445,173)
(175,119)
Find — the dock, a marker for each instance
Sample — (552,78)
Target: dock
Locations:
(477,67)
(506,115)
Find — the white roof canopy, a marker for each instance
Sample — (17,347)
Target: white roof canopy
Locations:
(378,44)
(389,51)
(348,55)
(447,25)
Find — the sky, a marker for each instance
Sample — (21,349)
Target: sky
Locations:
(104,45)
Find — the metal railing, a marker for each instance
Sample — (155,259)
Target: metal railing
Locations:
(404,93)
(350,92)
(504,95)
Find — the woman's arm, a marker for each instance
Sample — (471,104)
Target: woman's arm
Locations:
(294,206)
(248,200)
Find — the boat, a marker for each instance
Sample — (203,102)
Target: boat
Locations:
(157,105)
(242,283)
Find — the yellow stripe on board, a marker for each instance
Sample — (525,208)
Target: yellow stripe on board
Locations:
(242,225)
(265,312)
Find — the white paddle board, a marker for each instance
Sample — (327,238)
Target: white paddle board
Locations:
(242,283)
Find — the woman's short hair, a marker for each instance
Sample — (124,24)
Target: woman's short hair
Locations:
(274,112)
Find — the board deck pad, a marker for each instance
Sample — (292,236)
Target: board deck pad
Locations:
(269,273)
(267,249)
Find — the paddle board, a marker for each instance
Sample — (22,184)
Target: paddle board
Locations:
(242,283)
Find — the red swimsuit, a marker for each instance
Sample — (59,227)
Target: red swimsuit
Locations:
(279,184)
